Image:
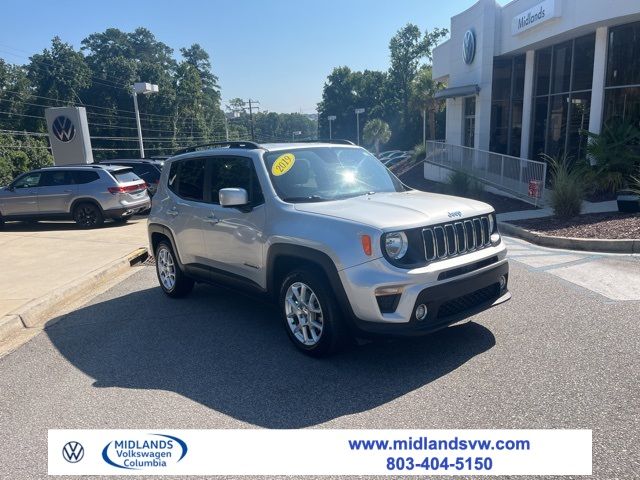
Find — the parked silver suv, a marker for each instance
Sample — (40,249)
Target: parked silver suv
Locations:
(88,194)
(331,234)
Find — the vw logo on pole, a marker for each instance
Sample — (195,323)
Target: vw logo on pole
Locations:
(72,452)
(63,129)
(469,47)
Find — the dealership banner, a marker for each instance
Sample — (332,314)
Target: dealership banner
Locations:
(320,452)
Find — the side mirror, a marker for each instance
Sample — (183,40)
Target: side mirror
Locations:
(233,197)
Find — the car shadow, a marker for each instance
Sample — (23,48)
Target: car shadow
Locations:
(54,225)
(229,352)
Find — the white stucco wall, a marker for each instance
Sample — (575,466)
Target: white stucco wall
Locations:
(492,25)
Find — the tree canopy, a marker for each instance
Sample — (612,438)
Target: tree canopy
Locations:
(390,96)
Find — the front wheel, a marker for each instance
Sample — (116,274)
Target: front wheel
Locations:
(311,315)
(172,279)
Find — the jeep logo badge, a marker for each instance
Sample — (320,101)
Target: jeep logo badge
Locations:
(469,47)
(456,214)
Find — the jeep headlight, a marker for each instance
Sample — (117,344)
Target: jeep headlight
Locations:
(396,245)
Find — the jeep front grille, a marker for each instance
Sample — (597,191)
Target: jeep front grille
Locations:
(452,239)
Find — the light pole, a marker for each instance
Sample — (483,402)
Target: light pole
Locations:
(144,89)
(358,112)
(331,118)
(293,135)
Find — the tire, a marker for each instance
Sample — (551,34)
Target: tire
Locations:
(88,215)
(1,222)
(306,301)
(171,278)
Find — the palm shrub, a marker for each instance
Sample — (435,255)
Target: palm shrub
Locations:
(464,185)
(419,152)
(376,132)
(616,152)
(568,183)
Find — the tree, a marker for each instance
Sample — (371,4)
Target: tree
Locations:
(376,132)
(423,90)
(408,48)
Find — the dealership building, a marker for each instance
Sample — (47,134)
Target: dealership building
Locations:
(531,76)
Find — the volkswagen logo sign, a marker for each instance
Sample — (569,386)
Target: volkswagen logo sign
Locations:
(63,129)
(469,47)
(72,452)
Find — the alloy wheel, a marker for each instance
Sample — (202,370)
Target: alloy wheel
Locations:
(304,313)
(166,268)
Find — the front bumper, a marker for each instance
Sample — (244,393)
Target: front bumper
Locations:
(448,300)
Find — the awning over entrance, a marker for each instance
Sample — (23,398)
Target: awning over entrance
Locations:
(458,91)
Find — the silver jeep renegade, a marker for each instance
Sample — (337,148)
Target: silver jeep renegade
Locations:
(331,234)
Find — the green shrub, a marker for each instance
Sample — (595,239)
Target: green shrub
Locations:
(419,152)
(464,185)
(568,183)
(6,172)
(616,152)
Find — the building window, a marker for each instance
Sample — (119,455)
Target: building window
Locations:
(507,93)
(622,90)
(469,121)
(563,76)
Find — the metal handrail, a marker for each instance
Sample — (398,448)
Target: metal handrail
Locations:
(511,174)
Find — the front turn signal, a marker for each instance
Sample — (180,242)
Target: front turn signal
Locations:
(366,245)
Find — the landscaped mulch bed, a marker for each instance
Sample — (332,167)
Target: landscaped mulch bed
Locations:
(414,178)
(611,226)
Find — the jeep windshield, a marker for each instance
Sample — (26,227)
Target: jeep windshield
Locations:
(322,174)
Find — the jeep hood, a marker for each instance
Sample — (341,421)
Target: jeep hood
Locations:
(398,210)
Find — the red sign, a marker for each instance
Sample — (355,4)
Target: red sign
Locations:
(534,188)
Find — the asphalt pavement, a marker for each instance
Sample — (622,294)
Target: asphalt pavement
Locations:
(558,355)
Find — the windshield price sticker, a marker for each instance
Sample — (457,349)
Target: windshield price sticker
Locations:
(283,164)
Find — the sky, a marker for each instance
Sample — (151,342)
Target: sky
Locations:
(278,52)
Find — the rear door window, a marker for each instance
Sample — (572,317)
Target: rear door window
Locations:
(186,179)
(56,178)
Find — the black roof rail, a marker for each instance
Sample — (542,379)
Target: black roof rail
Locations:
(337,141)
(230,144)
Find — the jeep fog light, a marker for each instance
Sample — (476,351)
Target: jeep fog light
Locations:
(503,282)
(421,312)
(396,245)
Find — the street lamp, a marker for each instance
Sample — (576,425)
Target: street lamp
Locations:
(144,89)
(331,118)
(358,112)
(293,135)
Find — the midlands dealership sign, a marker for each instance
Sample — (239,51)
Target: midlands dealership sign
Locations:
(535,16)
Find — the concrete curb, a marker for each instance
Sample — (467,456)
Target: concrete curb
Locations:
(568,243)
(35,313)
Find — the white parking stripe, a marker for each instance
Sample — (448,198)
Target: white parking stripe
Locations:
(616,277)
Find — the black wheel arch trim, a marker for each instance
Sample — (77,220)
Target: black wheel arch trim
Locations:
(78,201)
(166,232)
(308,254)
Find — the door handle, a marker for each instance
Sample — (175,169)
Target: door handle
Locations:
(173,211)
(212,219)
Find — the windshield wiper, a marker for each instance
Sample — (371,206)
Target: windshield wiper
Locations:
(308,198)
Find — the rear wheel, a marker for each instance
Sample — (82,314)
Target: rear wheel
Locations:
(88,215)
(172,279)
(311,315)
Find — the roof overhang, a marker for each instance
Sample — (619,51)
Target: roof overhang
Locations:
(458,91)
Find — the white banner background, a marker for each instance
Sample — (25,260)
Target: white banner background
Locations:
(322,452)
